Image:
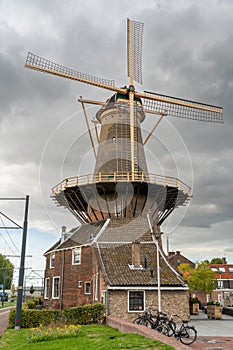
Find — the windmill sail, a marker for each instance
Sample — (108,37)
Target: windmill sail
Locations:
(177,107)
(134,49)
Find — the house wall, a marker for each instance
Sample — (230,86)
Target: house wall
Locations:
(70,293)
(173,302)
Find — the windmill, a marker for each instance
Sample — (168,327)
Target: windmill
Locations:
(121,186)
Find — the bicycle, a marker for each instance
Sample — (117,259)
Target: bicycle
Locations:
(149,320)
(186,334)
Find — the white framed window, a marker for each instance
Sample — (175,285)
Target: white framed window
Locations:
(56,287)
(76,256)
(136,301)
(214,269)
(222,269)
(80,284)
(87,288)
(46,287)
(52,260)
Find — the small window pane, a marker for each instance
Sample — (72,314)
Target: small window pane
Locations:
(231,269)
(87,287)
(214,269)
(56,283)
(222,269)
(46,292)
(136,301)
(76,256)
(52,258)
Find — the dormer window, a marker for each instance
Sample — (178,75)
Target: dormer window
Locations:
(52,259)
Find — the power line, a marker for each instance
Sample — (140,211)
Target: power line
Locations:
(6,243)
(9,234)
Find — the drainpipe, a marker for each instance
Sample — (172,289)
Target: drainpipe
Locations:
(62,279)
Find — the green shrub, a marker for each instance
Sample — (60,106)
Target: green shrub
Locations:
(33,318)
(29,304)
(193,301)
(87,314)
(211,302)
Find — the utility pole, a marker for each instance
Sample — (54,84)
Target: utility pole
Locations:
(21,270)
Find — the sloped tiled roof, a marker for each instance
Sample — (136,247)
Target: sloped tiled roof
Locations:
(84,234)
(118,258)
(78,236)
(125,230)
(54,247)
(115,252)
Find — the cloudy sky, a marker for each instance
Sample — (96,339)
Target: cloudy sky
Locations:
(187,52)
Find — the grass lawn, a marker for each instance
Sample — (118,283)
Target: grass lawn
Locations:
(7,303)
(92,337)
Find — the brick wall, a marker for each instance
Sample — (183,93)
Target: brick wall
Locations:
(127,327)
(70,275)
(173,302)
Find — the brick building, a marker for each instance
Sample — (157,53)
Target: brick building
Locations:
(224,284)
(90,266)
(175,259)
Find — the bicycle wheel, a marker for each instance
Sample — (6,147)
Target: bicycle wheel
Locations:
(188,335)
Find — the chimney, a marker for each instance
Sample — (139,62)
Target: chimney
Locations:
(171,253)
(136,258)
(178,252)
(224,261)
(63,233)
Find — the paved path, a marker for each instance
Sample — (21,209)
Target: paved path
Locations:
(4,313)
(213,334)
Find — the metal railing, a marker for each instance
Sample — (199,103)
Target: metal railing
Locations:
(121,177)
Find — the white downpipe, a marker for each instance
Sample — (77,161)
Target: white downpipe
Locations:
(155,240)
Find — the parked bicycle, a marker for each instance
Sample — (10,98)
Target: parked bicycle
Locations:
(149,320)
(186,334)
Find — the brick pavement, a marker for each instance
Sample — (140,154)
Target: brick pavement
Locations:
(203,342)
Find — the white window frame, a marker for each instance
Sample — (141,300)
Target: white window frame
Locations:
(77,249)
(85,290)
(56,297)
(52,260)
(137,291)
(46,288)
(222,270)
(104,297)
(80,283)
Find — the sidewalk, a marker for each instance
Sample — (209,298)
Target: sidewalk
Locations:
(212,334)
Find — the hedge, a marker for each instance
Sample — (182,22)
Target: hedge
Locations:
(87,314)
(33,318)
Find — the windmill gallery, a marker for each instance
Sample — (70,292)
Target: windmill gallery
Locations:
(116,256)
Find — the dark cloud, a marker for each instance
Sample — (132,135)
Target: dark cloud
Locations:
(187,53)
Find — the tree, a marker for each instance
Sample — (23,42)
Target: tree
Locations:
(6,272)
(13,290)
(31,289)
(216,261)
(201,278)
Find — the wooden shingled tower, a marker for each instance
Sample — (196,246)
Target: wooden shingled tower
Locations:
(121,186)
